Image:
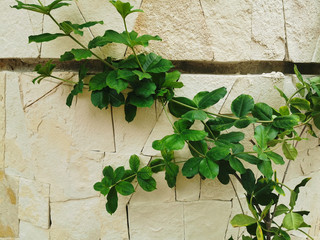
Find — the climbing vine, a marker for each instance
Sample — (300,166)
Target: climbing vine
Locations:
(217,151)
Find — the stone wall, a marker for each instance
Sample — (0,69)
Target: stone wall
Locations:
(51,155)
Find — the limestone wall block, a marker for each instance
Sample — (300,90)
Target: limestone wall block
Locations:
(268,33)
(2,117)
(182,38)
(76,219)
(9,221)
(229,23)
(214,190)
(14,32)
(29,231)
(303,31)
(206,219)
(34,202)
(156,221)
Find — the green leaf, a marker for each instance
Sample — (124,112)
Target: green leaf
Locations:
(100,99)
(173,142)
(171,80)
(212,98)
(191,167)
(116,100)
(193,135)
(276,158)
(261,136)
(142,75)
(195,115)
(130,112)
(282,94)
(145,173)
(316,120)
(156,64)
(181,125)
(198,148)
(220,124)
(298,74)
(98,81)
(249,158)
(259,232)
(232,137)
(237,165)
(286,122)
(31,7)
(139,101)
(242,105)
(144,40)
(266,169)
(124,8)
(45,37)
(262,111)
(172,171)
(119,173)
(289,151)
(281,209)
(98,42)
(80,54)
(115,83)
(292,221)
(248,181)
(284,110)
(242,220)
(147,184)
(157,165)
(218,153)
(67,56)
(125,188)
(134,163)
(197,98)
(244,122)
(208,168)
(300,103)
(112,201)
(108,172)
(57,4)
(145,88)
(89,24)
(181,105)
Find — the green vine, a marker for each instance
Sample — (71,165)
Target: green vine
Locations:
(216,153)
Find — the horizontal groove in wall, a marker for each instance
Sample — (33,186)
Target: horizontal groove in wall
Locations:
(195,67)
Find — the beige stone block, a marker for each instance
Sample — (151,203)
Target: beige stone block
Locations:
(214,190)
(2,117)
(187,189)
(9,222)
(261,88)
(34,203)
(268,36)
(116,159)
(182,38)
(156,221)
(206,219)
(229,23)
(14,32)
(76,219)
(131,137)
(28,231)
(18,152)
(303,32)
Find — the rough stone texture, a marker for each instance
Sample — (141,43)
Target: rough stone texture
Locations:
(2,117)
(181,38)
(303,31)
(268,35)
(34,203)
(28,231)
(76,219)
(229,23)
(9,222)
(214,190)
(215,223)
(156,221)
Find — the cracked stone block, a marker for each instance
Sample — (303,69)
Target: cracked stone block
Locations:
(34,202)
(29,231)
(76,219)
(229,23)
(214,190)
(106,12)
(261,88)
(14,32)
(268,35)
(2,117)
(213,215)
(9,221)
(131,137)
(18,154)
(156,221)
(303,29)
(182,38)
(187,189)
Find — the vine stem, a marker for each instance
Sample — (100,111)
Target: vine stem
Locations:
(306,234)
(80,44)
(235,191)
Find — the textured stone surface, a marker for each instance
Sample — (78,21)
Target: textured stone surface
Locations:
(181,38)
(76,220)
(156,221)
(303,32)
(268,35)
(2,117)
(229,23)
(28,231)
(34,203)
(214,225)
(14,32)
(9,222)
(213,189)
